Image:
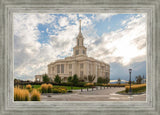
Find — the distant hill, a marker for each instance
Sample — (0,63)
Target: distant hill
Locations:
(115,81)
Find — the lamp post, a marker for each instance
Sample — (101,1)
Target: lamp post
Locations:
(130,70)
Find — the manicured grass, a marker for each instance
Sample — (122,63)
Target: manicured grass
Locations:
(67,87)
(138,92)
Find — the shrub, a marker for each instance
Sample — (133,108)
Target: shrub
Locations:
(50,88)
(59,90)
(89,84)
(21,94)
(69,79)
(44,88)
(35,95)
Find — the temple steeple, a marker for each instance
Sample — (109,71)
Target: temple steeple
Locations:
(79,26)
(80,36)
(79,49)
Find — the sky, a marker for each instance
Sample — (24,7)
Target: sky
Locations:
(116,39)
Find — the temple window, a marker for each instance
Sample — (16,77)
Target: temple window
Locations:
(81,65)
(62,68)
(70,66)
(58,68)
(70,73)
(81,73)
(83,51)
(77,52)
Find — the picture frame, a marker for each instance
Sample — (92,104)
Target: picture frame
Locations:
(9,106)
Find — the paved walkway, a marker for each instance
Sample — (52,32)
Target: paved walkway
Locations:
(95,95)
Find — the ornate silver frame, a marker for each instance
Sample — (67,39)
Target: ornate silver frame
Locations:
(149,107)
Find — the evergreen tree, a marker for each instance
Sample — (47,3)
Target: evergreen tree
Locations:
(57,79)
(45,78)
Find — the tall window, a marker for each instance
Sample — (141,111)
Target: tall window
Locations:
(58,68)
(52,68)
(81,65)
(62,68)
(70,66)
(78,42)
(83,51)
(70,73)
(77,52)
(81,73)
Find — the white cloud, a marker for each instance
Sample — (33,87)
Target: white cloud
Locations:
(103,16)
(63,21)
(123,46)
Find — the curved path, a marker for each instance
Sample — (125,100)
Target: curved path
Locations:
(95,95)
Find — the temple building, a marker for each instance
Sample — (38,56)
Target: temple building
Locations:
(79,63)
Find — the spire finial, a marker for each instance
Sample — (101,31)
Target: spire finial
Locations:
(80,26)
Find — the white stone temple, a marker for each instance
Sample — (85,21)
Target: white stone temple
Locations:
(79,63)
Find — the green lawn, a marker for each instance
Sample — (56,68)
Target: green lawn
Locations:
(67,87)
(138,92)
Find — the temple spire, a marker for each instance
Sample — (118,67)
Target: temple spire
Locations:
(79,26)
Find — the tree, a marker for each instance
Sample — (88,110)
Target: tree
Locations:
(45,78)
(106,80)
(100,80)
(75,79)
(91,78)
(69,79)
(119,81)
(139,79)
(57,79)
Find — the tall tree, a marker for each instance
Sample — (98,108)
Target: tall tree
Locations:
(91,78)
(45,78)
(139,79)
(69,79)
(106,80)
(119,81)
(57,79)
(75,79)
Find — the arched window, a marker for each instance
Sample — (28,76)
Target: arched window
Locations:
(83,51)
(78,42)
(77,52)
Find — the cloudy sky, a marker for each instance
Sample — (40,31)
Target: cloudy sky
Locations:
(117,39)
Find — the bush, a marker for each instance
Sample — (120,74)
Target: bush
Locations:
(35,95)
(135,88)
(50,86)
(80,84)
(69,79)
(89,84)
(59,90)
(44,88)
(21,94)
(29,87)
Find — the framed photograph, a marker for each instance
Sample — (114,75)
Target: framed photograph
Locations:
(79,57)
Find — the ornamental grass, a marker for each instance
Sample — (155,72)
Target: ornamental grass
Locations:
(21,94)
(29,87)
(135,88)
(89,84)
(44,88)
(50,86)
(35,95)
